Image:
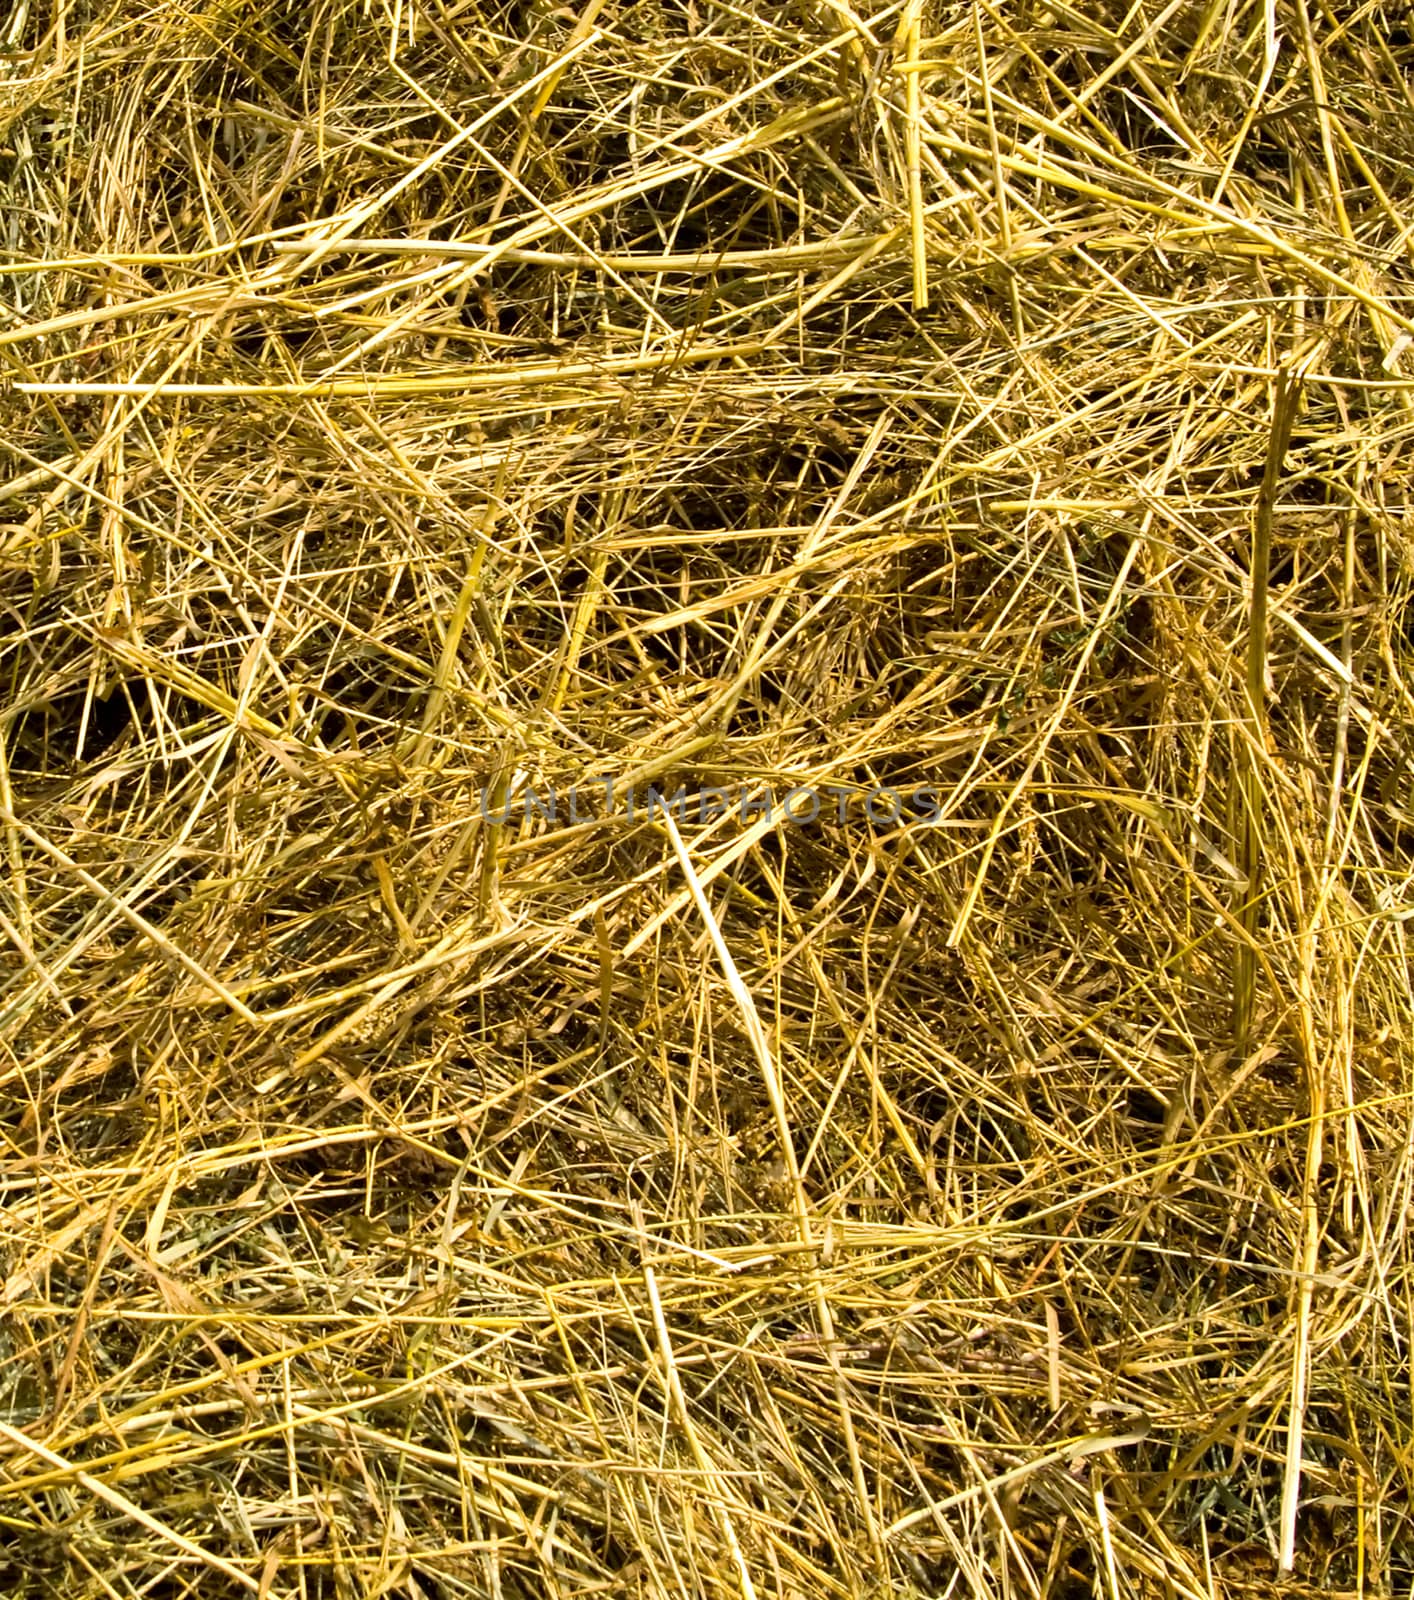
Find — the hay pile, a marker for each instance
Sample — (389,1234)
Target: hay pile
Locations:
(991,423)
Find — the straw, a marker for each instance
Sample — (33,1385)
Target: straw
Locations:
(705,799)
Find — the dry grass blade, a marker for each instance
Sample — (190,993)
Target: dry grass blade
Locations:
(1248,782)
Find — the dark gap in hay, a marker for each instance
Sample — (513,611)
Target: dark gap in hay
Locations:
(1145,1110)
(360,697)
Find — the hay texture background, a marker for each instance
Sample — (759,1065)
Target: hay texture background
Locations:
(411,402)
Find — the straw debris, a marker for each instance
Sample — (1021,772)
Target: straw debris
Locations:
(475,475)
